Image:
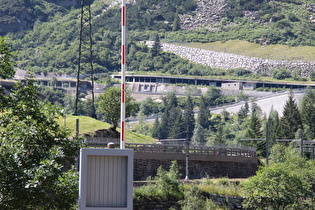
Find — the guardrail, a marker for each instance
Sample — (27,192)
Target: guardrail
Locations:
(198,150)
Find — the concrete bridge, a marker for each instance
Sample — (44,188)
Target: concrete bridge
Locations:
(150,82)
(203,161)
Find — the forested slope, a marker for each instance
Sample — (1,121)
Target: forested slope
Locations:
(49,40)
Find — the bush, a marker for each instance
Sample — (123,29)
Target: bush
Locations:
(286,185)
(312,75)
(281,74)
(224,181)
(166,186)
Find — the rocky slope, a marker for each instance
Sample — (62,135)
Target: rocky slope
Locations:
(208,13)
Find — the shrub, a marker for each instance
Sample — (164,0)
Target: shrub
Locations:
(166,186)
(286,185)
(281,73)
(224,181)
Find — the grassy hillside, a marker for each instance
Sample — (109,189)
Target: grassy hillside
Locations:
(274,51)
(90,125)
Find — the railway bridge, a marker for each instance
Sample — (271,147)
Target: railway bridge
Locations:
(216,161)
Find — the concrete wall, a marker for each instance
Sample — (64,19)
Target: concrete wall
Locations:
(232,86)
(197,169)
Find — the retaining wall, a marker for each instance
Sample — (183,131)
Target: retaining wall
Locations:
(228,201)
(230,61)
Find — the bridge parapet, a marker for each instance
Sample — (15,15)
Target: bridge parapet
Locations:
(196,153)
(198,150)
(212,161)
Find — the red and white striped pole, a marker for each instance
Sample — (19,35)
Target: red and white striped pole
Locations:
(123,71)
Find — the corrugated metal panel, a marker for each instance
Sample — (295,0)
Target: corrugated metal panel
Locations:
(110,173)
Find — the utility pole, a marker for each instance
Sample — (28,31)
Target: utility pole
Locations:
(85,59)
(261,139)
(301,141)
(187,154)
(267,143)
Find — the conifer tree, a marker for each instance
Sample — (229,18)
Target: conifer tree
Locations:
(199,135)
(242,113)
(204,115)
(164,125)
(254,129)
(291,120)
(170,100)
(219,137)
(308,113)
(156,48)
(273,126)
(189,115)
(176,125)
(255,108)
(156,128)
(176,23)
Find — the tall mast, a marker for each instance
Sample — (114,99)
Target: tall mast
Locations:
(85,59)
(123,71)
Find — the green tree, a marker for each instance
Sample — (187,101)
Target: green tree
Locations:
(273,126)
(308,113)
(312,75)
(287,185)
(156,128)
(243,112)
(254,129)
(199,135)
(170,100)
(109,105)
(6,60)
(34,153)
(281,73)
(148,107)
(255,108)
(189,115)
(291,120)
(156,48)
(278,153)
(176,23)
(212,95)
(219,136)
(204,115)
(176,125)
(164,125)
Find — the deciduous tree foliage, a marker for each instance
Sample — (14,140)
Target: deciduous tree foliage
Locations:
(6,60)
(34,150)
(109,105)
(286,185)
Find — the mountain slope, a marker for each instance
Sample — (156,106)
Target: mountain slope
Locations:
(51,45)
(20,15)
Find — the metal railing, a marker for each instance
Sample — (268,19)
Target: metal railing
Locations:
(198,150)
